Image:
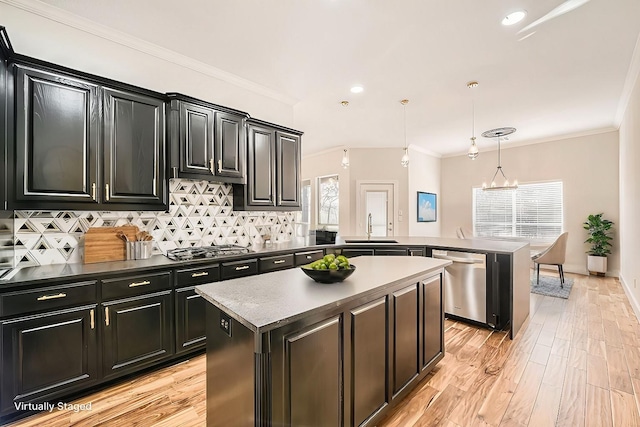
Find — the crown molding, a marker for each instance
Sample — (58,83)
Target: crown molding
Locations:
(74,21)
(632,77)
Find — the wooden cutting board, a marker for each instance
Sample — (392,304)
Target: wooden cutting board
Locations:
(102,244)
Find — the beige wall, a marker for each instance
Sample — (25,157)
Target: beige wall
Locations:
(55,42)
(587,166)
(366,164)
(323,164)
(629,226)
(424,175)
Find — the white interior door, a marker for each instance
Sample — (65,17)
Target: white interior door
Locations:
(377,200)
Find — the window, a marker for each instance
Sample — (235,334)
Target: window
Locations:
(532,211)
(328,194)
(304,216)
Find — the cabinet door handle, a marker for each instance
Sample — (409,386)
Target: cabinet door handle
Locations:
(211,167)
(219,165)
(94,196)
(279,261)
(93,319)
(144,282)
(106,316)
(243,267)
(106,192)
(48,297)
(202,273)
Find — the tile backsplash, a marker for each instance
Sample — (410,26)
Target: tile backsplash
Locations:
(200,213)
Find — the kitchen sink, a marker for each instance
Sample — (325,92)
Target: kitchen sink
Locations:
(372,241)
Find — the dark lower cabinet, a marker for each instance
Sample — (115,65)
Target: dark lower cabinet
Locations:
(137,332)
(47,355)
(190,320)
(405,336)
(433,319)
(314,371)
(369,361)
(392,252)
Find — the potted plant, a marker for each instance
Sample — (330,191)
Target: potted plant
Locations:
(600,239)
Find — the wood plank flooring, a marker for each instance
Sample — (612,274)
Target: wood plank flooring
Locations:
(576,362)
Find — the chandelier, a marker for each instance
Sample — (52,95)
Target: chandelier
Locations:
(499,133)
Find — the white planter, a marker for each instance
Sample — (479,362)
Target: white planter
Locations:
(597,264)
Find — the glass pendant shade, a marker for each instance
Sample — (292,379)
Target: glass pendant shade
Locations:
(473,150)
(405,158)
(345,160)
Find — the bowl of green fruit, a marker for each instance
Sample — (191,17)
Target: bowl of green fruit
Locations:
(329,269)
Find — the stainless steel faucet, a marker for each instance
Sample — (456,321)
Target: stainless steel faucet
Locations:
(369,226)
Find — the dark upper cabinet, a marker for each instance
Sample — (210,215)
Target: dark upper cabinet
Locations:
(134,141)
(273,169)
(5,53)
(56,146)
(207,141)
(84,142)
(288,169)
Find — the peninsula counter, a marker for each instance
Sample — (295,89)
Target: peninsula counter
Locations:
(284,350)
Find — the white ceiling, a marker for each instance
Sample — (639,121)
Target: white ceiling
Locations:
(565,79)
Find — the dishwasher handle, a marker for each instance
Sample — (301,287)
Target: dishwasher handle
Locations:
(458,260)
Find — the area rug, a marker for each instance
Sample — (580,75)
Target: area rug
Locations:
(551,286)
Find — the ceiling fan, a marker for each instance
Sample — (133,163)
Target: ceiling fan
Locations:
(565,7)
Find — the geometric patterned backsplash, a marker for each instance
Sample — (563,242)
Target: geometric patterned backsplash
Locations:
(200,214)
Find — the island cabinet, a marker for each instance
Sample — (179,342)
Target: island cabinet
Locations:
(49,343)
(207,141)
(303,353)
(82,142)
(273,169)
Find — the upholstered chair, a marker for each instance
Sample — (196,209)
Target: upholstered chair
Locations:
(553,255)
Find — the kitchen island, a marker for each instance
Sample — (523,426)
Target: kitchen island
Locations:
(285,350)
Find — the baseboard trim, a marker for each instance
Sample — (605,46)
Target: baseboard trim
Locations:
(632,300)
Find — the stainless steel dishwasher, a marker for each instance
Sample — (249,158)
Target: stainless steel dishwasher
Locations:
(465,284)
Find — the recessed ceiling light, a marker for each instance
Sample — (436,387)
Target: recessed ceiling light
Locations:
(514,17)
(357,89)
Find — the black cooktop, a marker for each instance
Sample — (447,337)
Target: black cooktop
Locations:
(183,254)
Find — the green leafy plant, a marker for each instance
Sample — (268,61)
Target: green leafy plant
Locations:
(599,235)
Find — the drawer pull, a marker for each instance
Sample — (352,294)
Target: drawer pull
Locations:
(203,273)
(48,297)
(279,261)
(309,257)
(144,282)
(243,267)
(93,319)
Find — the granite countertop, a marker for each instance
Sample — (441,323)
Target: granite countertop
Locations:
(31,275)
(480,245)
(77,270)
(268,301)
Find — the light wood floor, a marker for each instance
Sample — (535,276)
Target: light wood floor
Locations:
(576,362)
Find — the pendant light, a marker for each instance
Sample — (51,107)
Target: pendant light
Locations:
(473,150)
(405,158)
(345,155)
(499,133)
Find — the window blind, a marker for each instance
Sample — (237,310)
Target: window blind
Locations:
(532,211)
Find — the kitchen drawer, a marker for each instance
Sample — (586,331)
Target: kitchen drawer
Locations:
(307,257)
(198,276)
(135,285)
(233,269)
(392,252)
(274,263)
(46,299)
(349,253)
